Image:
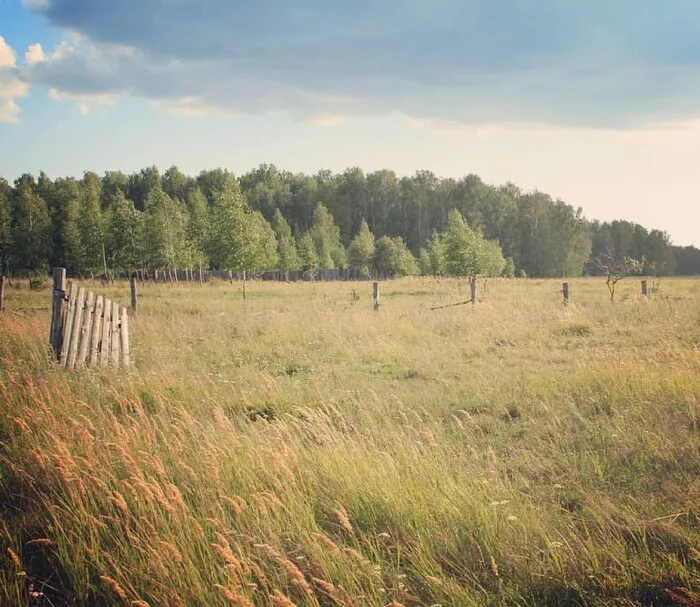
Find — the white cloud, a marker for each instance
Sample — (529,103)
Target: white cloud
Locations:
(191,107)
(35,53)
(7,54)
(11,87)
(84,104)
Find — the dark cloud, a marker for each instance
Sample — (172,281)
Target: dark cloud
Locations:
(601,63)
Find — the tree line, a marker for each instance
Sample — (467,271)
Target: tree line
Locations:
(268,218)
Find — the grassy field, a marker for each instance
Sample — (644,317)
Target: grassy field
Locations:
(301,449)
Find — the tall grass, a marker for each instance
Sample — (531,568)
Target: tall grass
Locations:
(301,449)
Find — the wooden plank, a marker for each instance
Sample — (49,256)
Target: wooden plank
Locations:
(134,296)
(59,295)
(96,330)
(114,356)
(106,328)
(2,294)
(68,323)
(85,329)
(74,345)
(124,338)
(375,294)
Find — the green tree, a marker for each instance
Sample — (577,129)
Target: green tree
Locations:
(326,237)
(175,183)
(260,246)
(90,224)
(126,237)
(67,240)
(424,266)
(308,257)
(391,255)
(434,259)
(198,226)
(241,240)
(491,258)
(461,247)
(361,250)
(286,248)
(31,226)
(113,182)
(5,226)
(139,185)
(509,268)
(164,231)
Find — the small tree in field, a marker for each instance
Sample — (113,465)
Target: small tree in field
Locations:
(615,268)
(361,250)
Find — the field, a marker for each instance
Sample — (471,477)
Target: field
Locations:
(301,449)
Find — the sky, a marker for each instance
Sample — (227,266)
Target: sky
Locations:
(596,102)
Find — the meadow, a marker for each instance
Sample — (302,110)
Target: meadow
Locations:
(299,448)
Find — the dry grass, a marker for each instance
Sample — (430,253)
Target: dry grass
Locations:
(301,449)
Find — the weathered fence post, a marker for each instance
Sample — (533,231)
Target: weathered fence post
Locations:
(95,332)
(68,325)
(106,331)
(244,291)
(472,284)
(645,290)
(134,296)
(75,324)
(114,354)
(85,329)
(2,293)
(565,292)
(59,296)
(376,296)
(124,338)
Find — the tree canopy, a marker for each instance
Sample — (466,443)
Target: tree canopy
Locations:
(273,218)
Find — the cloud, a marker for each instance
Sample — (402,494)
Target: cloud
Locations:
(7,55)
(11,87)
(35,54)
(41,4)
(592,63)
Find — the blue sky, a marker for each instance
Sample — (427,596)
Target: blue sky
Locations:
(596,102)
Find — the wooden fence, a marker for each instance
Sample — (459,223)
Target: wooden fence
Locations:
(87,330)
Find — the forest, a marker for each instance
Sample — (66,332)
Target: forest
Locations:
(270,218)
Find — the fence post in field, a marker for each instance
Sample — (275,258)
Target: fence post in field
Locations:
(68,325)
(114,354)
(85,329)
(59,294)
(134,296)
(472,284)
(95,330)
(2,293)
(106,332)
(645,290)
(375,290)
(565,292)
(76,325)
(124,338)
